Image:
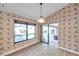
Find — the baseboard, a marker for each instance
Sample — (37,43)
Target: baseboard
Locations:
(71,51)
(15,50)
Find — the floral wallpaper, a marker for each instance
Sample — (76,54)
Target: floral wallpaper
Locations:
(1,33)
(68,19)
(7,32)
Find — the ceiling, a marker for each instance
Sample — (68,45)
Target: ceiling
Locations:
(32,10)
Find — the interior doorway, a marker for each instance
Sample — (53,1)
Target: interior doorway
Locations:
(50,34)
(53,34)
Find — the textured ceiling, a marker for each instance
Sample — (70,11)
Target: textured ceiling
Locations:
(32,10)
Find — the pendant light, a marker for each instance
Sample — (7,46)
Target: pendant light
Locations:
(41,19)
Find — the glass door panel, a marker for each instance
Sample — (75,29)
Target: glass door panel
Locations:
(46,33)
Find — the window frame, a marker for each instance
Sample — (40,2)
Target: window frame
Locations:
(26,23)
(34,31)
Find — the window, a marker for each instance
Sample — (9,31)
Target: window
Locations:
(23,31)
(31,31)
(20,32)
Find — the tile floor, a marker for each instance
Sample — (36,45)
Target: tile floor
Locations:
(42,49)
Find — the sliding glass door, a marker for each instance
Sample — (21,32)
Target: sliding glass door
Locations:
(46,33)
(50,33)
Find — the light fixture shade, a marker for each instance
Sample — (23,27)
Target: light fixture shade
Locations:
(41,20)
